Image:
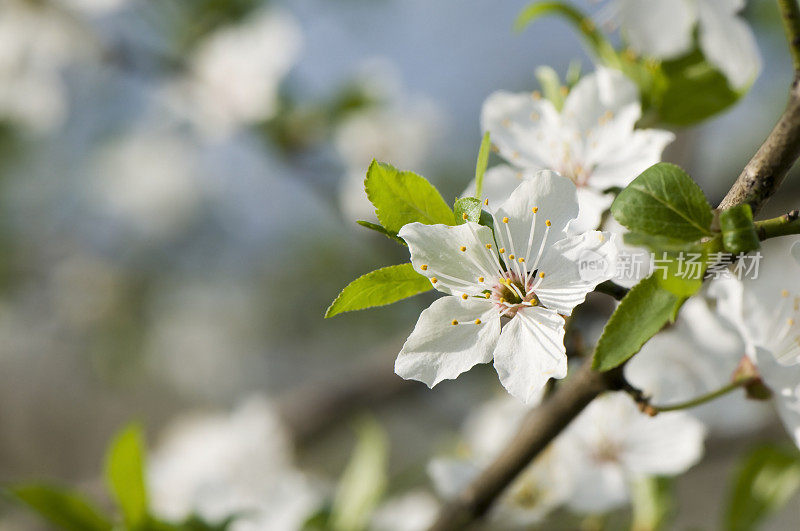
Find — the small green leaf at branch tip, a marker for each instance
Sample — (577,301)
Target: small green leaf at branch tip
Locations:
(640,315)
(61,507)
(665,202)
(364,480)
(483,162)
(402,197)
(738,229)
(764,482)
(125,465)
(379,288)
(379,228)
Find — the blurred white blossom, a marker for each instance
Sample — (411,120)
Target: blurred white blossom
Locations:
(217,466)
(664,29)
(412,511)
(592,140)
(234,74)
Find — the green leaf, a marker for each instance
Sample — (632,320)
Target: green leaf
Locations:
(378,228)
(767,478)
(593,38)
(61,507)
(483,161)
(664,201)
(652,500)
(640,315)
(738,230)
(404,197)
(551,86)
(364,480)
(378,288)
(467,209)
(125,475)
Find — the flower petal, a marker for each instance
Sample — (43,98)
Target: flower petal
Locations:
(604,91)
(498,183)
(785,384)
(436,253)
(573,267)
(530,352)
(630,155)
(658,28)
(796,251)
(555,200)
(591,205)
(438,350)
(728,42)
(523,128)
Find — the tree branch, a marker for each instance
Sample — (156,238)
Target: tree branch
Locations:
(758,182)
(784,225)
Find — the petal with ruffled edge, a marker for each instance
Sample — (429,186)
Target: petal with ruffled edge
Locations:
(438,350)
(785,384)
(573,267)
(728,42)
(602,92)
(658,28)
(530,352)
(632,153)
(523,128)
(524,233)
(436,253)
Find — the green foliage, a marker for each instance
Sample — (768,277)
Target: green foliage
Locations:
(738,230)
(125,475)
(665,202)
(364,480)
(402,197)
(646,308)
(652,500)
(378,288)
(61,507)
(765,480)
(483,161)
(378,228)
(468,209)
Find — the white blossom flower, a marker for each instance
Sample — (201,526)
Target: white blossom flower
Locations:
(612,443)
(766,311)
(796,251)
(217,466)
(664,29)
(592,140)
(544,485)
(412,511)
(527,276)
(235,72)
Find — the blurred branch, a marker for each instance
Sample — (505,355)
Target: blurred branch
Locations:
(314,408)
(784,225)
(758,181)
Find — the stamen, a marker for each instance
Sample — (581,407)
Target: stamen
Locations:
(536,95)
(477,321)
(521,260)
(488,245)
(505,220)
(501,250)
(434,280)
(535,210)
(424,267)
(454,322)
(511,257)
(534,116)
(547,222)
(541,275)
(486,202)
(464,296)
(785,293)
(506,122)
(480,279)
(462,248)
(464,216)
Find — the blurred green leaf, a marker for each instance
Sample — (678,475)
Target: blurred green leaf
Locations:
(404,197)
(594,39)
(738,230)
(664,201)
(364,480)
(378,288)
(640,315)
(551,86)
(378,228)
(125,475)
(652,500)
(483,161)
(61,507)
(765,480)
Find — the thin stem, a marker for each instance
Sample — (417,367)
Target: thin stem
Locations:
(784,225)
(790,14)
(610,288)
(700,400)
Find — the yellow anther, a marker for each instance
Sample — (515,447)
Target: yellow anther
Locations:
(462,248)
(424,267)
(785,293)
(464,216)
(519,175)
(521,260)
(434,280)
(535,210)
(515,154)
(790,322)
(506,122)
(495,149)
(464,296)
(501,250)
(488,245)
(488,295)
(486,202)
(505,220)
(564,91)
(477,321)
(454,322)
(534,116)
(511,256)
(601,237)
(536,95)
(547,222)
(502,299)
(541,275)
(480,279)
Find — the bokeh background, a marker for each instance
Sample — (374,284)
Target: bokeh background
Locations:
(161,253)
